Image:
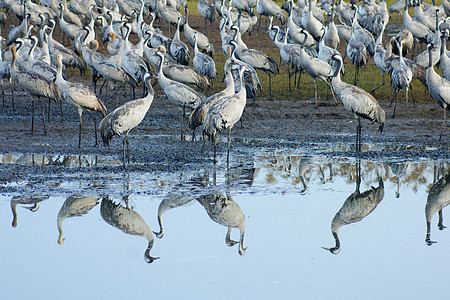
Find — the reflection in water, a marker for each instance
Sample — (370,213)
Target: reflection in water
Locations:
(356,207)
(401,170)
(33,199)
(168,203)
(128,221)
(74,206)
(224,211)
(438,198)
(58,160)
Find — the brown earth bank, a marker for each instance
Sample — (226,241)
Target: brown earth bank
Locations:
(293,124)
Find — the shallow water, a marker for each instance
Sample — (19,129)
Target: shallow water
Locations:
(288,201)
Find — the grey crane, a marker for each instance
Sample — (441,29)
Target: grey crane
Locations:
(86,53)
(168,14)
(203,42)
(259,61)
(69,57)
(356,207)
(36,86)
(287,52)
(363,35)
(439,89)
(178,49)
(198,116)
(418,30)
(69,29)
(405,36)
(128,221)
(271,9)
(331,36)
(24,199)
(207,11)
(180,73)
(178,93)
(313,25)
(357,102)
(401,76)
(5,67)
(81,97)
(356,52)
(378,58)
(438,198)
(316,68)
(126,117)
(19,31)
(203,63)
(223,210)
(111,72)
(224,114)
(444,59)
(74,206)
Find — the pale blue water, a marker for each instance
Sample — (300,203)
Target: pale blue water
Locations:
(382,256)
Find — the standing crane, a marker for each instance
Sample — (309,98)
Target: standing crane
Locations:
(36,86)
(225,114)
(439,89)
(198,116)
(81,97)
(356,52)
(178,93)
(5,67)
(316,68)
(207,10)
(401,76)
(357,102)
(126,117)
(178,49)
(203,42)
(203,63)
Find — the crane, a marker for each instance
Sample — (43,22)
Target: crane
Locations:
(36,86)
(203,63)
(357,102)
(198,116)
(439,88)
(178,49)
(207,10)
(224,114)
(203,42)
(178,93)
(126,117)
(401,76)
(79,96)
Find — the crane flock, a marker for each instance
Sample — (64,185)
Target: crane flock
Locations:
(307,37)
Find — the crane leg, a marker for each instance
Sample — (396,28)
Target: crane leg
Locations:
(379,85)
(48,111)
(3,94)
(215,148)
(395,105)
(332,92)
(315,91)
(182,122)
(428,240)
(441,220)
(270,87)
(81,127)
(43,116)
(12,96)
(62,112)
(412,96)
(124,142)
(32,115)
(356,76)
(206,25)
(128,148)
(228,150)
(289,73)
(443,122)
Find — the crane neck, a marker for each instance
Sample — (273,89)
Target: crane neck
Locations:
(59,76)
